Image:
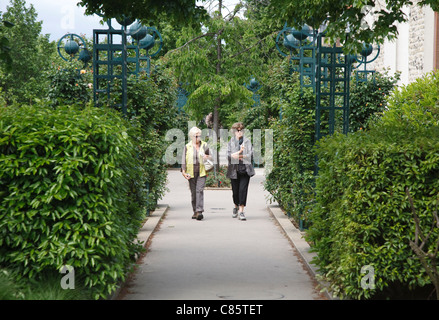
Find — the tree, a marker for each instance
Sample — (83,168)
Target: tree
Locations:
(352,14)
(216,62)
(180,12)
(30,54)
(5,49)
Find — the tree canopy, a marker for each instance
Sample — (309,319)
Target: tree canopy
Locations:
(367,20)
(181,12)
(22,75)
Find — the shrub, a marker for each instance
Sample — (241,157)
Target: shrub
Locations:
(151,105)
(69,84)
(71,193)
(220,180)
(368,100)
(362,214)
(8,289)
(290,181)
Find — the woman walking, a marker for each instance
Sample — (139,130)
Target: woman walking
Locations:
(240,168)
(192,168)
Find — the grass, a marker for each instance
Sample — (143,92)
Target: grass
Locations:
(48,287)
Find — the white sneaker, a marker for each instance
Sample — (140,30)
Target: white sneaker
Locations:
(242,216)
(235,212)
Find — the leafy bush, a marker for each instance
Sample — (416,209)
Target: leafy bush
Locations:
(8,289)
(368,100)
(151,105)
(69,84)
(71,193)
(220,180)
(362,214)
(290,181)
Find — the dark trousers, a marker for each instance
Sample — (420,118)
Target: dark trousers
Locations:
(240,188)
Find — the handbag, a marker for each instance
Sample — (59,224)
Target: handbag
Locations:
(208,165)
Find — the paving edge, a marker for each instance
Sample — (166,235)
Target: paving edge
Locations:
(296,237)
(145,234)
(151,223)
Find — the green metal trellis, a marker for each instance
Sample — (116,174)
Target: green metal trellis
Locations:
(111,59)
(332,89)
(110,63)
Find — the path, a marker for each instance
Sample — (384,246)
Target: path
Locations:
(219,257)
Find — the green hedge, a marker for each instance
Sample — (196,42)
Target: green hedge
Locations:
(71,193)
(291,179)
(362,215)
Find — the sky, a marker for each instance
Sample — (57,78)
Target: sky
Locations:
(62,17)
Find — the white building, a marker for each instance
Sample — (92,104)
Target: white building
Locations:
(416,50)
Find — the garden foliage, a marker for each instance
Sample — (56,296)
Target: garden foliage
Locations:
(71,193)
(70,83)
(290,182)
(362,215)
(368,99)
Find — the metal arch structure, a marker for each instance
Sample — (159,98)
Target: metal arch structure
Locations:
(332,89)
(111,60)
(254,86)
(109,64)
(363,59)
(301,45)
(327,70)
(144,38)
(72,48)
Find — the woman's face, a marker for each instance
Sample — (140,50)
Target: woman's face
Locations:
(196,138)
(239,133)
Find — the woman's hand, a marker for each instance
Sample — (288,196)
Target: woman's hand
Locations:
(186,175)
(238,155)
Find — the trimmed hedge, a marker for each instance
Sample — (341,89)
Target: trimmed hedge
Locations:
(71,193)
(362,216)
(291,180)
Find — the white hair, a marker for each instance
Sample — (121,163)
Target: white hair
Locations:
(193,131)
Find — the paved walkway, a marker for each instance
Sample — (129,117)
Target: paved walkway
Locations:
(219,257)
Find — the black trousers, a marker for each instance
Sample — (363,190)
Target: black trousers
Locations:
(240,189)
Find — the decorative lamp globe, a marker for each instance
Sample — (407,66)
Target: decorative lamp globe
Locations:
(137,31)
(147,42)
(301,34)
(253,83)
(84,56)
(367,49)
(71,47)
(290,42)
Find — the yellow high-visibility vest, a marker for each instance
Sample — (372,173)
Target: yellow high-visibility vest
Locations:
(190,159)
